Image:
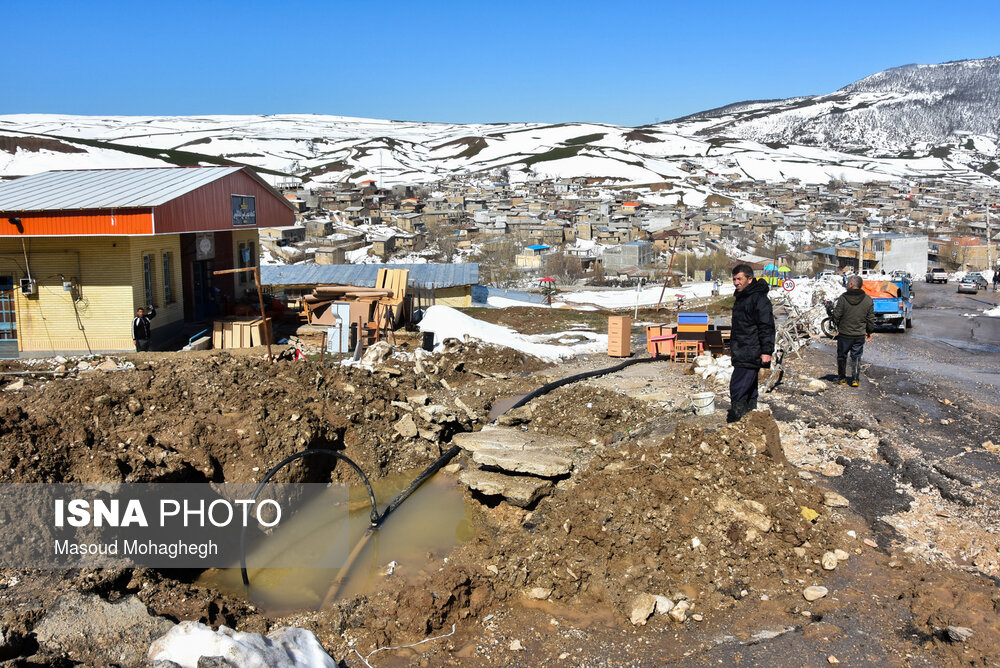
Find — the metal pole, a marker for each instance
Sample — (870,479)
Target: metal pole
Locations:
(989,247)
(861,248)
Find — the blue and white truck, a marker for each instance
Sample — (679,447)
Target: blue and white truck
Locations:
(892,310)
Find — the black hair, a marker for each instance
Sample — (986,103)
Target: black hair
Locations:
(745,269)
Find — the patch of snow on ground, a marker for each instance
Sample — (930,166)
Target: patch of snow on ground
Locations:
(358,256)
(504,302)
(809,292)
(648,296)
(446,322)
(286,647)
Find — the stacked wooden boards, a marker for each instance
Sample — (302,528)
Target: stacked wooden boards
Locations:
(241,332)
(376,307)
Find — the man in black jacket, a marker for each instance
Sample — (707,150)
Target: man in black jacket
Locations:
(141,328)
(854,317)
(752,340)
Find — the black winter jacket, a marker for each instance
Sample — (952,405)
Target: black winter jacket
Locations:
(753,326)
(854,315)
(140,326)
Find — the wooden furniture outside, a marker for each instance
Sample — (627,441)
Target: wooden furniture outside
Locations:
(686,351)
(619,336)
(714,342)
(661,345)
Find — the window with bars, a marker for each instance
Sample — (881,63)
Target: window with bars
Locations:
(168,285)
(147,278)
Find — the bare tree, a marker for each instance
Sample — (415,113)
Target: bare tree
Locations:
(497,264)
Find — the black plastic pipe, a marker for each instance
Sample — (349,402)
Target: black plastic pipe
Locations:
(288,460)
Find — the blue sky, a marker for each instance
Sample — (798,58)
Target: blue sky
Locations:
(627,63)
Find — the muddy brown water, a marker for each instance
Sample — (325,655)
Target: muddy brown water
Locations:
(415,538)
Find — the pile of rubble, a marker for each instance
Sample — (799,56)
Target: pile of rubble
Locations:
(717,370)
(700,520)
(517,465)
(41,370)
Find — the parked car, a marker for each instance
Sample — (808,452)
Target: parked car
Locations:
(970,287)
(978,279)
(937,276)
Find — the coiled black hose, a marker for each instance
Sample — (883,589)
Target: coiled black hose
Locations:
(288,460)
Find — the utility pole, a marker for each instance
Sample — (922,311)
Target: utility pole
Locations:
(989,238)
(861,248)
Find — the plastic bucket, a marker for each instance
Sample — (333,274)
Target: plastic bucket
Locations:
(703,402)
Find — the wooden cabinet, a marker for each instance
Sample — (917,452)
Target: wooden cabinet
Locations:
(619,336)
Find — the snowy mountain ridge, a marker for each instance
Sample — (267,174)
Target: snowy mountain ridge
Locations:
(889,126)
(890,112)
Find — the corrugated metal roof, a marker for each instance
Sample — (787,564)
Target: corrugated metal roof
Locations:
(105,188)
(364,275)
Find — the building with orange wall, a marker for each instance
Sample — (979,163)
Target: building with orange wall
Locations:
(81,250)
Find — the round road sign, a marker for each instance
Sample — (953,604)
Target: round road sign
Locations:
(788,285)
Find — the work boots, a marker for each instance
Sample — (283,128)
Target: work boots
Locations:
(737,411)
(855,371)
(842,372)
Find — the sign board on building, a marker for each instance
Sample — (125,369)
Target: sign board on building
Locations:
(244,211)
(204,244)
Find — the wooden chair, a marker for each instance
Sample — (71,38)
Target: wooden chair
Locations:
(686,351)
(714,343)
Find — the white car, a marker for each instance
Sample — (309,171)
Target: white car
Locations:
(968,286)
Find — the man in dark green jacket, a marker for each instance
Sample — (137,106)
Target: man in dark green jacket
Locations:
(854,316)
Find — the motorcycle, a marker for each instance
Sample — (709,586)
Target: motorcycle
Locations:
(829,329)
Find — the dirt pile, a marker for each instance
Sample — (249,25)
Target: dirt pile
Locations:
(230,418)
(709,518)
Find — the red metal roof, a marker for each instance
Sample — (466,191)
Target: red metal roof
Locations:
(176,200)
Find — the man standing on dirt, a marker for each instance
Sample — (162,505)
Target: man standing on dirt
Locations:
(751,341)
(854,317)
(141,330)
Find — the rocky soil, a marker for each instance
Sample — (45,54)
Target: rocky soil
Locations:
(675,539)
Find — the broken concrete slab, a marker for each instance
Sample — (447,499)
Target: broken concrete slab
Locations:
(520,491)
(535,462)
(406,427)
(501,438)
(96,632)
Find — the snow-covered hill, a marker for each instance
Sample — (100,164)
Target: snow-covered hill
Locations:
(812,139)
(891,112)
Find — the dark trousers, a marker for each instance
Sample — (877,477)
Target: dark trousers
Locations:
(849,346)
(855,348)
(141,345)
(743,388)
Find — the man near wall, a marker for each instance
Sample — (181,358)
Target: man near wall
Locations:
(141,331)
(854,317)
(751,340)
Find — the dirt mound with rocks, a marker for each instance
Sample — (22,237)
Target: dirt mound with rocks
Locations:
(705,517)
(224,418)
